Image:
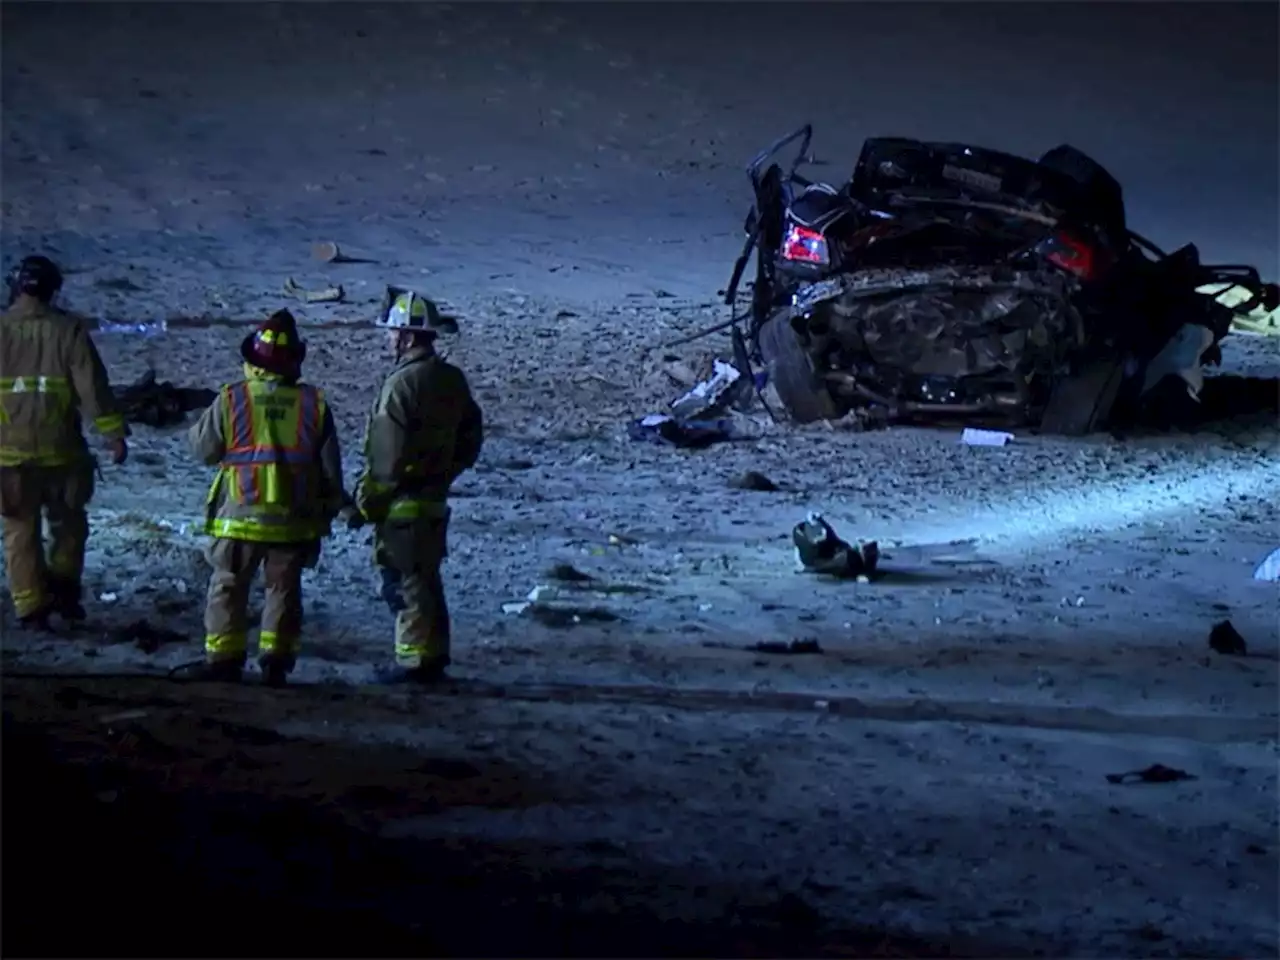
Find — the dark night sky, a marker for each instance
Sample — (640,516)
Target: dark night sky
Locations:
(1179,99)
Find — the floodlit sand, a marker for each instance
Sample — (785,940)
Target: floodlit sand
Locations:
(568,179)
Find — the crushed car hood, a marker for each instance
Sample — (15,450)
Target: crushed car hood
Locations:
(948,321)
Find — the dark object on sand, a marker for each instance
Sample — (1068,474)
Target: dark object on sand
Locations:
(1156,773)
(819,549)
(1226,640)
(160,404)
(753,480)
(687,434)
(946,281)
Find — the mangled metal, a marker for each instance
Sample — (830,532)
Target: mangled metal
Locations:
(946,279)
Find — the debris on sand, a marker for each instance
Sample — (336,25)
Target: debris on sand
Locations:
(327,295)
(1269,568)
(713,395)
(542,605)
(687,434)
(330,252)
(1156,773)
(754,480)
(160,404)
(568,573)
(819,549)
(1226,640)
(974,437)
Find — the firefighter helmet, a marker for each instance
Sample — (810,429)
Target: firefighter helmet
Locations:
(412,311)
(276,346)
(35,276)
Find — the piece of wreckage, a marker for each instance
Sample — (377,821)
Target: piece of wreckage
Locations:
(944,280)
(819,549)
(160,404)
(698,418)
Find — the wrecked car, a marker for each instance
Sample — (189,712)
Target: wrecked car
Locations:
(947,280)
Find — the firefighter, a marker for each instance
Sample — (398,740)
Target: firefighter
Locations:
(50,374)
(277,490)
(425,429)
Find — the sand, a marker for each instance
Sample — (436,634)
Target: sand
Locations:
(568,180)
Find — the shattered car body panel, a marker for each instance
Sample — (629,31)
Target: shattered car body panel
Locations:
(944,278)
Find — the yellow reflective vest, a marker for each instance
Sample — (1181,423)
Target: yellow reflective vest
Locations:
(279,474)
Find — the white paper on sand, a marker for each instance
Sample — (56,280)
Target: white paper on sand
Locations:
(985,438)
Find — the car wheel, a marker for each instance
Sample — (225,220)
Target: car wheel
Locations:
(791,372)
(1080,404)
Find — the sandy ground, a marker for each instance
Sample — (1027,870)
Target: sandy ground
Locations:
(934,781)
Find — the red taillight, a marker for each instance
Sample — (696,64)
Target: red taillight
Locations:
(804,245)
(1071,254)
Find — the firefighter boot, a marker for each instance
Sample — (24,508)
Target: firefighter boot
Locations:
(425,674)
(275,671)
(37,619)
(66,599)
(219,671)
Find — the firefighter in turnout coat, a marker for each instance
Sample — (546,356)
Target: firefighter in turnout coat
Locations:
(424,431)
(276,493)
(50,374)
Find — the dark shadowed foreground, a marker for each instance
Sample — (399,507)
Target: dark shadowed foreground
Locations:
(158,839)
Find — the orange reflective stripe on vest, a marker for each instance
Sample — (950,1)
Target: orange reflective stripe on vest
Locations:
(271,433)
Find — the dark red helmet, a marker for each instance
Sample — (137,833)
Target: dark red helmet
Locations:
(276,346)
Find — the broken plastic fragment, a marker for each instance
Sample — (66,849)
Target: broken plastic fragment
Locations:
(1269,569)
(709,395)
(985,438)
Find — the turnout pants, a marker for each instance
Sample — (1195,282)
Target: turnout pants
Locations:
(31,497)
(226,616)
(410,553)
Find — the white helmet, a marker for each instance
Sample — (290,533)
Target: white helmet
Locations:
(412,311)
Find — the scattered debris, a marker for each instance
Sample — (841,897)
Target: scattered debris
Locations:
(1226,640)
(985,438)
(688,434)
(711,396)
(1156,773)
(568,573)
(145,637)
(819,549)
(540,605)
(160,404)
(679,371)
(327,295)
(330,252)
(752,480)
(1269,569)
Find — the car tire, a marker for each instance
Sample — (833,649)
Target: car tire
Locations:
(1080,404)
(791,372)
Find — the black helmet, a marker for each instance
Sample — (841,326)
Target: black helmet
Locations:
(36,276)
